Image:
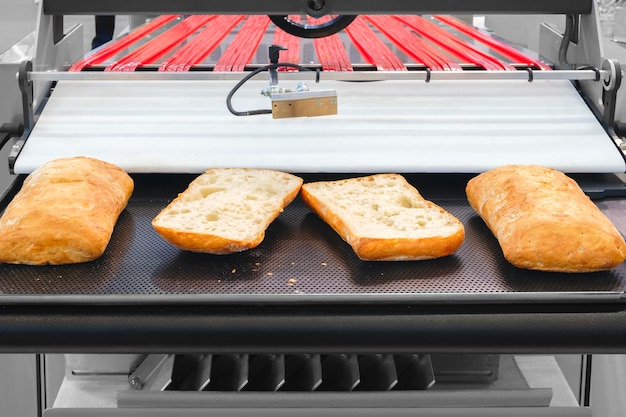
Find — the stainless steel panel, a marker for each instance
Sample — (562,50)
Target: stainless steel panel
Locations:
(328,412)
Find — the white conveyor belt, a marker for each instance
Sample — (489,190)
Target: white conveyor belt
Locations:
(401,126)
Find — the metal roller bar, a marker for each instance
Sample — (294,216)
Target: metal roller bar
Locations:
(324,76)
(543,328)
(284,7)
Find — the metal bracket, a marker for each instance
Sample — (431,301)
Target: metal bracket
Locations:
(610,87)
(57,29)
(298,103)
(159,372)
(154,373)
(274,52)
(26,88)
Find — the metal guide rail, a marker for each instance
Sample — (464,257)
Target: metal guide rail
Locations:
(415,75)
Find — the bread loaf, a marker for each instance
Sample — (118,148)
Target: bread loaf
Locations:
(544,221)
(384,218)
(64,213)
(226,210)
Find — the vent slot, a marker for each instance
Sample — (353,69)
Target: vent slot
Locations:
(281,372)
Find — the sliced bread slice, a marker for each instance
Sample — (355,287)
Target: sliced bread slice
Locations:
(226,210)
(384,218)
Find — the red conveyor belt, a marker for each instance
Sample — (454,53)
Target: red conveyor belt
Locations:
(505,50)
(291,54)
(330,50)
(452,44)
(436,42)
(412,45)
(372,48)
(239,53)
(196,50)
(112,49)
(161,45)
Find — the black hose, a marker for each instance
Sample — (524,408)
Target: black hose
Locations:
(570,21)
(252,74)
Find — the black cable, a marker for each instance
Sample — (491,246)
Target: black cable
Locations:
(252,74)
(570,21)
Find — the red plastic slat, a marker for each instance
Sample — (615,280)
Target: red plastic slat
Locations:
(453,45)
(197,49)
(330,50)
(114,48)
(416,48)
(292,43)
(241,50)
(503,49)
(161,45)
(372,48)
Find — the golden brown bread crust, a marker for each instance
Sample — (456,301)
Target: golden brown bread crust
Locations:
(64,213)
(544,221)
(213,244)
(387,248)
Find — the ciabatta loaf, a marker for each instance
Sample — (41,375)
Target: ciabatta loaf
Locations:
(226,210)
(64,213)
(544,221)
(384,218)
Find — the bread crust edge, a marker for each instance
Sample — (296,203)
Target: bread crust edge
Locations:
(559,242)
